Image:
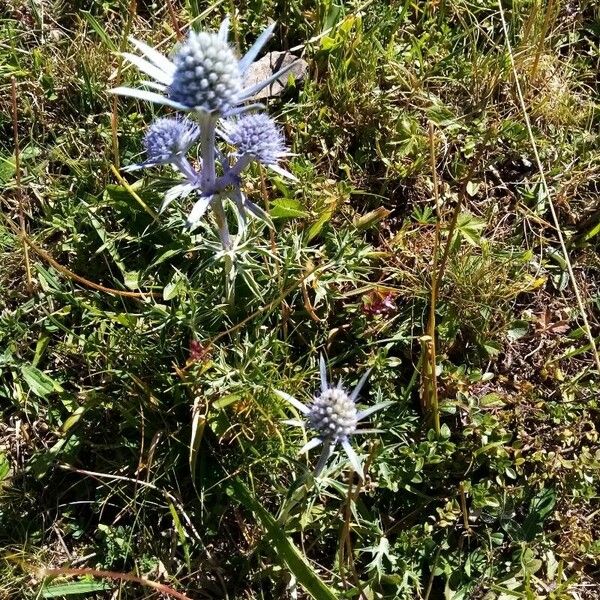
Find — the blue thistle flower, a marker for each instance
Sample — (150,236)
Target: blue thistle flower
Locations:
(167,141)
(334,417)
(207,76)
(256,137)
(204,76)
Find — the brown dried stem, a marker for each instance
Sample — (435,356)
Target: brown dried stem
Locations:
(19,192)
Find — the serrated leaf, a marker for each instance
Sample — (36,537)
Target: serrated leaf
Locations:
(492,348)
(470,228)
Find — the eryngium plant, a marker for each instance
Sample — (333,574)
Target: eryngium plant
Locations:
(205,79)
(334,417)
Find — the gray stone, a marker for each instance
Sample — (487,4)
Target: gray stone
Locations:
(271,63)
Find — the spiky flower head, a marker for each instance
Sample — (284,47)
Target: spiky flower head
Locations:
(204,76)
(258,135)
(334,416)
(169,138)
(207,74)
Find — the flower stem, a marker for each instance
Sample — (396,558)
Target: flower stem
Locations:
(207,144)
(184,166)
(241,163)
(227,244)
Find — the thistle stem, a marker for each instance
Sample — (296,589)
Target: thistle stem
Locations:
(301,492)
(221,218)
(184,166)
(325,454)
(226,242)
(241,163)
(207,144)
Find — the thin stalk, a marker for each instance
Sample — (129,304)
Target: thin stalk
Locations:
(134,195)
(432,401)
(345,542)
(208,176)
(69,274)
(459,204)
(432,570)
(441,269)
(549,14)
(81,572)
(114,115)
(18,183)
(463,507)
(174,20)
(581,305)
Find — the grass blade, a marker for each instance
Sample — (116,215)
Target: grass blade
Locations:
(297,563)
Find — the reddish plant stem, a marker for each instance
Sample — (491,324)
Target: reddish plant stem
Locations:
(159,587)
(18,181)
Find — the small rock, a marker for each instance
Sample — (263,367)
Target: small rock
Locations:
(270,64)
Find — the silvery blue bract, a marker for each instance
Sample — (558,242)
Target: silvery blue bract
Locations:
(206,79)
(334,417)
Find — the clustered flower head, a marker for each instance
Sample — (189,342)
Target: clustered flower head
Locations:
(207,74)
(205,79)
(257,135)
(167,141)
(334,417)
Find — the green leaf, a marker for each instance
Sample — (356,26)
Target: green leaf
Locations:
(491,399)
(518,329)
(102,34)
(287,551)
(492,348)
(317,226)
(4,466)
(74,588)
(287,208)
(371,218)
(226,400)
(470,228)
(7,168)
(39,383)
(176,287)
